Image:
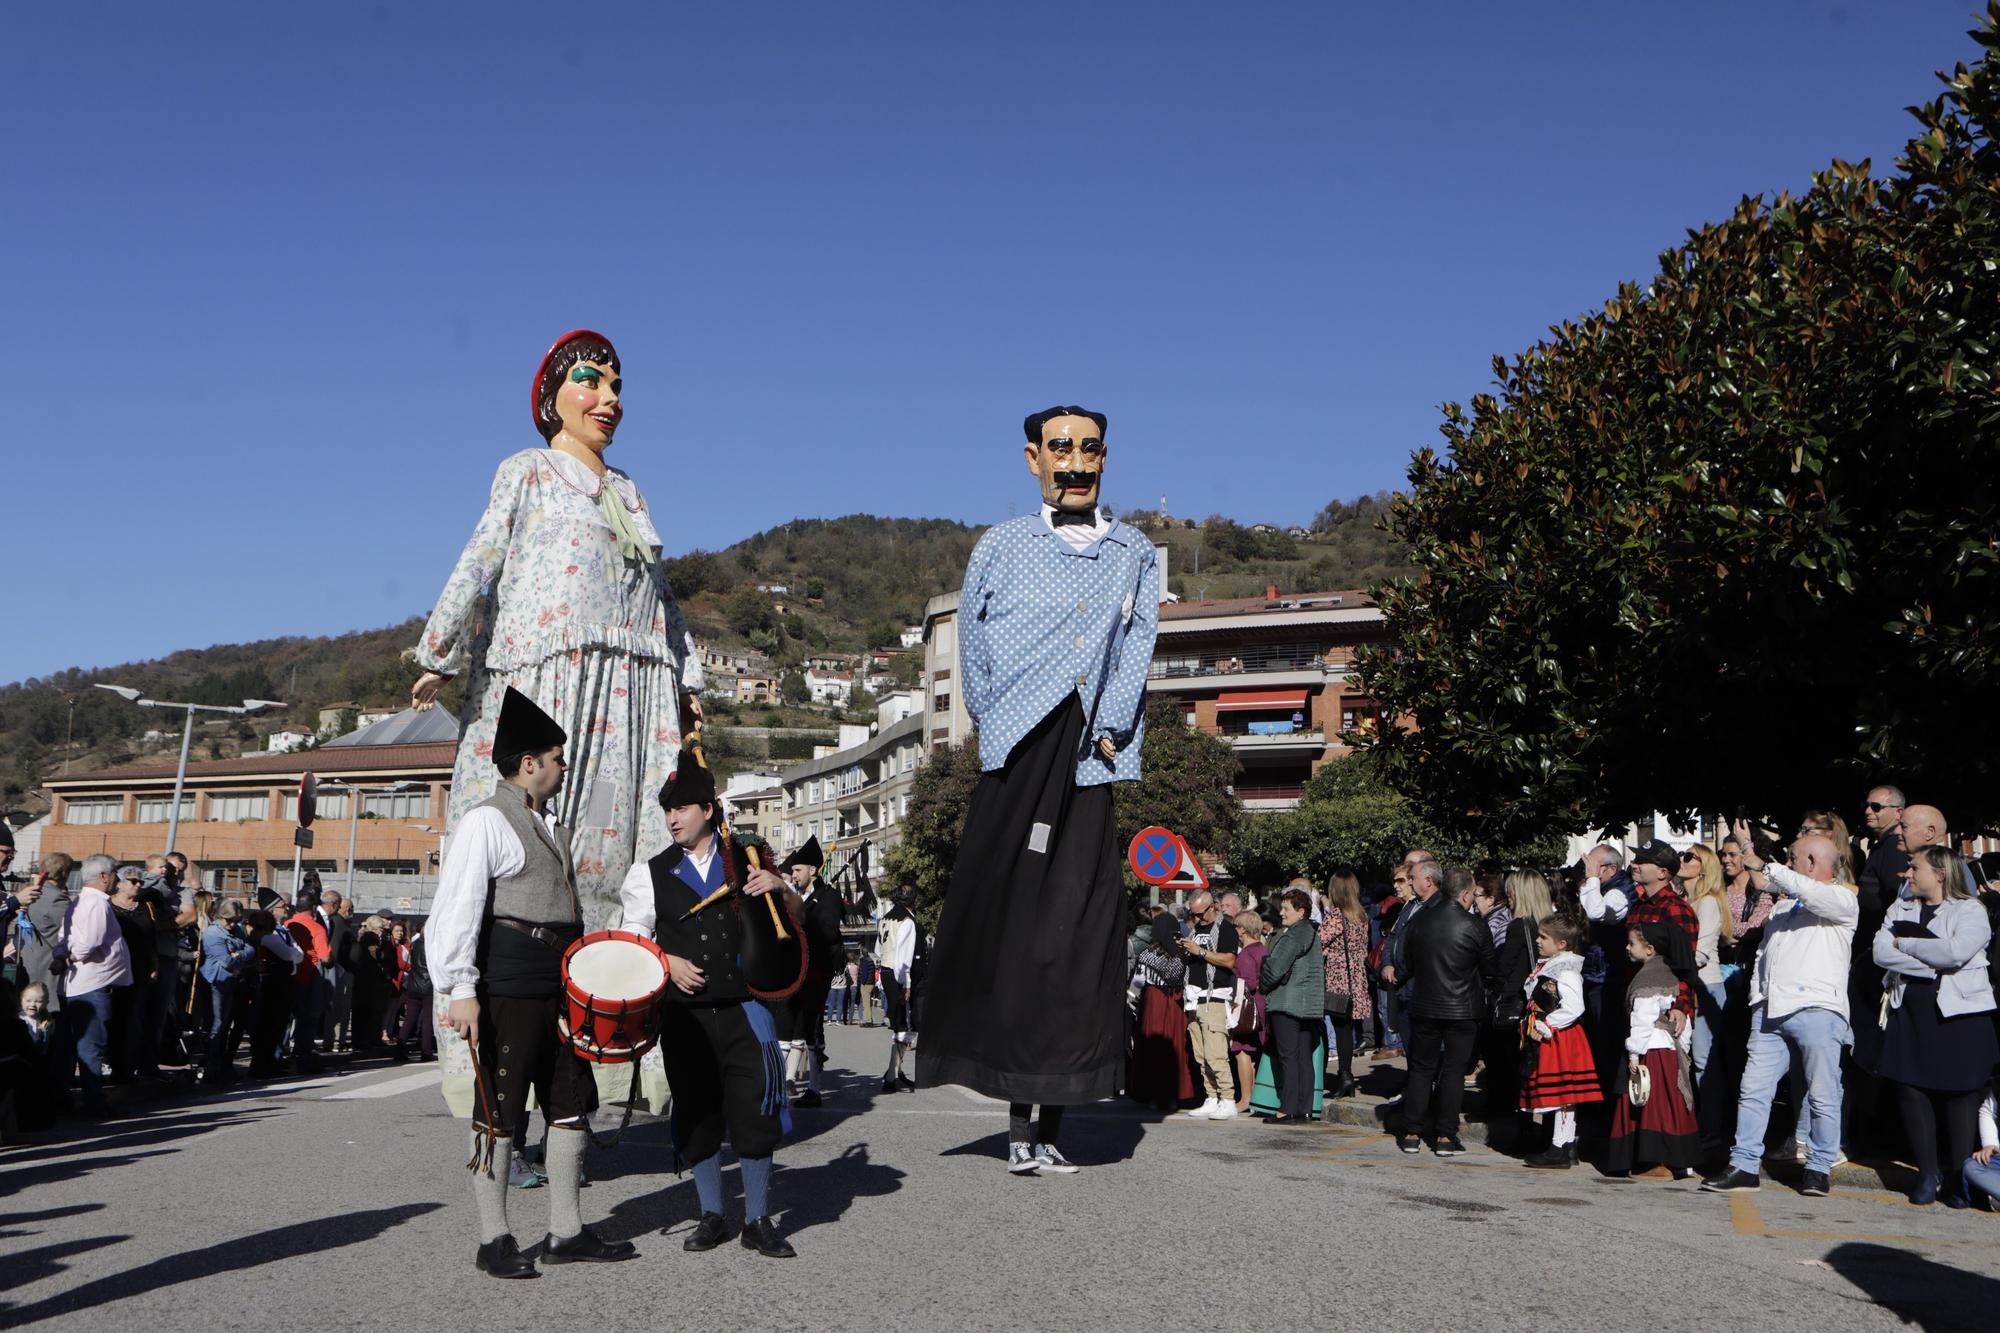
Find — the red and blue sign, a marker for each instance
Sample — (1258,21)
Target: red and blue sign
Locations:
(1161,857)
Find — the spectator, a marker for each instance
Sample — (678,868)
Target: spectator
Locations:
(1500,1038)
(99,967)
(337,1029)
(836,993)
(867,982)
(1210,947)
(26,1090)
(1562,1075)
(1605,893)
(1293,979)
(1158,1075)
(313,983)
(39,942)
(1249,1025)
(225,955)
(170,910)
(279,958)
(1453,966)
(1982,1173)
(1343,946)
(1653,1119)
(415,1017)
(851,1001)
(1528,894)
(35,1013)
(1701,883)
(366,970)
(1938,1043)
(1798,1003)
(1835,828)
(1882,879)
(132,1050)
(1395,966)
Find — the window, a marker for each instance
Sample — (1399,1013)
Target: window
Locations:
(397,805)
(330,805)
(154,809)
(1360,715)
(94,810)
(942,702)
(239,805)
(232,877)
(385,867)
(909,757)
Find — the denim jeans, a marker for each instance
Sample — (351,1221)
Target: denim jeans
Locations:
(1816,1037)
(1979,1177)
(221,1004)
(1709,1081)
(89,1019)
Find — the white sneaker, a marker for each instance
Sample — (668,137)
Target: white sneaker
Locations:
(1205,1111)
(1224,1110)
(1021,1159)
(1050,1158)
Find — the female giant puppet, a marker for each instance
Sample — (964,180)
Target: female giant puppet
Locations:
(560,595)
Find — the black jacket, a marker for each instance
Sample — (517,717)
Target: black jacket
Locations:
(1516,956)
(1451,961)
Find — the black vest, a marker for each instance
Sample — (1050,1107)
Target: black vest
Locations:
(712,941)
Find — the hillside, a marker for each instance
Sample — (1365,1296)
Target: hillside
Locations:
(850,584)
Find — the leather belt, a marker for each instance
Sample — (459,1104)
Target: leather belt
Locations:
(555,939)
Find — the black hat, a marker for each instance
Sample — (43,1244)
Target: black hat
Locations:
(523,728)
(1655,852)
(807,855)
(6,833)
(905,897)
(268,898)
(691,784)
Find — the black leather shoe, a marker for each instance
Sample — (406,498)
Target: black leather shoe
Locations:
(889,1084)
(762,1236)
(587,1247)
(710,1232)
(807,1098)
(905,1084)
(502,1257)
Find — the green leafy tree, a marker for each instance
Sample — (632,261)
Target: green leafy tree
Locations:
(1348,817)
(1186,782)
(1731,541)
(793,688)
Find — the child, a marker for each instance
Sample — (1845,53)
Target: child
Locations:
(1662,1129)
(1982,1169)
(35,1013)
(1561,1075)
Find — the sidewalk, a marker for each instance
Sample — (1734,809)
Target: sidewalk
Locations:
(1378,1080)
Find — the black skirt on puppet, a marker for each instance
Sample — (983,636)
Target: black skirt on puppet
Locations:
(1024,998)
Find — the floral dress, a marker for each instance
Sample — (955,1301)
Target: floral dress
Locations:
(551,597)
(1344,946)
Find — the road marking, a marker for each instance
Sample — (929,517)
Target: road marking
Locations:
(1744,1216)
(394,1087)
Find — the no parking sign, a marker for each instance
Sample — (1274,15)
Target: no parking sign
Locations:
(1162,858)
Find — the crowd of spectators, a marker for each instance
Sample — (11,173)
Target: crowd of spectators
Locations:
(128,974)
(1708,1009)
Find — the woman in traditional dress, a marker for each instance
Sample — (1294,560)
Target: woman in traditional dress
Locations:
(561,595)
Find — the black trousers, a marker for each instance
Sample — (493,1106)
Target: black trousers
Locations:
(1293,1037)
(720,1080)
(1440,1053)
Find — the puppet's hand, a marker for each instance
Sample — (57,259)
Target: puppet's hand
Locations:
(1107,749)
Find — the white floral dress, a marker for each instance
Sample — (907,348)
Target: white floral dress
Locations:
(544,600)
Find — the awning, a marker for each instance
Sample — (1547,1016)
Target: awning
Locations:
(1237,701)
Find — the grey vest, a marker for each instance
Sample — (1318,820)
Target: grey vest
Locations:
(544,892)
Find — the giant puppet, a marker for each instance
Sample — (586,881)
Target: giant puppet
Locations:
(560,594)
(1056,627)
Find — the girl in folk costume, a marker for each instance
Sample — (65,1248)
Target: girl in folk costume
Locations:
(1653,1120)
(560,594)
(1560,1074)
(1159,1074)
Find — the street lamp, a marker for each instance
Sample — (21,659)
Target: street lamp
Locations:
(248,708)
(354,793)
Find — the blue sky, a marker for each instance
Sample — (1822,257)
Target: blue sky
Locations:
(277,275)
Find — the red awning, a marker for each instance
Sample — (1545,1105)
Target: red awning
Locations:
(1237,701)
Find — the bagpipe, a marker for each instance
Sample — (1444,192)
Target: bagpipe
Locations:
(773,943)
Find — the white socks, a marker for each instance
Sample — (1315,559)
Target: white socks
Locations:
(490,1194)
(564,1160)
(1564,1132)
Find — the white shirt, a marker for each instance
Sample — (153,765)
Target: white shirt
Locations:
(638,908)
(483,848)
(896,946)
(1599,904)
(1078,535)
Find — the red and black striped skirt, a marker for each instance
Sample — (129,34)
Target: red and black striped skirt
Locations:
(1563,1074)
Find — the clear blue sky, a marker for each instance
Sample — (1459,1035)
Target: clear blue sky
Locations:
(277,275)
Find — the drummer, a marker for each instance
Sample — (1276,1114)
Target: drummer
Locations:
(505,910)
(719,1044)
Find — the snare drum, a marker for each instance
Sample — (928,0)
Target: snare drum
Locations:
(612,984)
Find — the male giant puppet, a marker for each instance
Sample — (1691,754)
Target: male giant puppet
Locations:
(1056,627)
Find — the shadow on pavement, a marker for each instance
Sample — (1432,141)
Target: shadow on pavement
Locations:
(25,1266)
(46,1215)
(234,1257)
(1087,1140)
(140,1135)
(1918,1290)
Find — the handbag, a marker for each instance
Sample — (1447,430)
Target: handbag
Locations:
(1339,1004)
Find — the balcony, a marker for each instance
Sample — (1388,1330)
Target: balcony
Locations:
(1269,796)
(1268,737)
(1248,659)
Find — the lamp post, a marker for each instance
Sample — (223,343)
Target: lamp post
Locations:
(354,795)
(248,708)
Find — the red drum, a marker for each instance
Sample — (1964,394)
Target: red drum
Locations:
(612,984)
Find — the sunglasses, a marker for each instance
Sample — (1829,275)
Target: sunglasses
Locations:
(1688,856)
(1877,807)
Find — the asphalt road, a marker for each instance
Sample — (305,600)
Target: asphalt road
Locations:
(341,1202)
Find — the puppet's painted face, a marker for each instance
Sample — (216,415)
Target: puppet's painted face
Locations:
(1070,463)
(588,404)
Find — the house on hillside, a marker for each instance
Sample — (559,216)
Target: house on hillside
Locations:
(1262,527)
(830,687)
(913,636)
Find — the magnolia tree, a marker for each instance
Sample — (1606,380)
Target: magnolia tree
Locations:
(1735,540)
